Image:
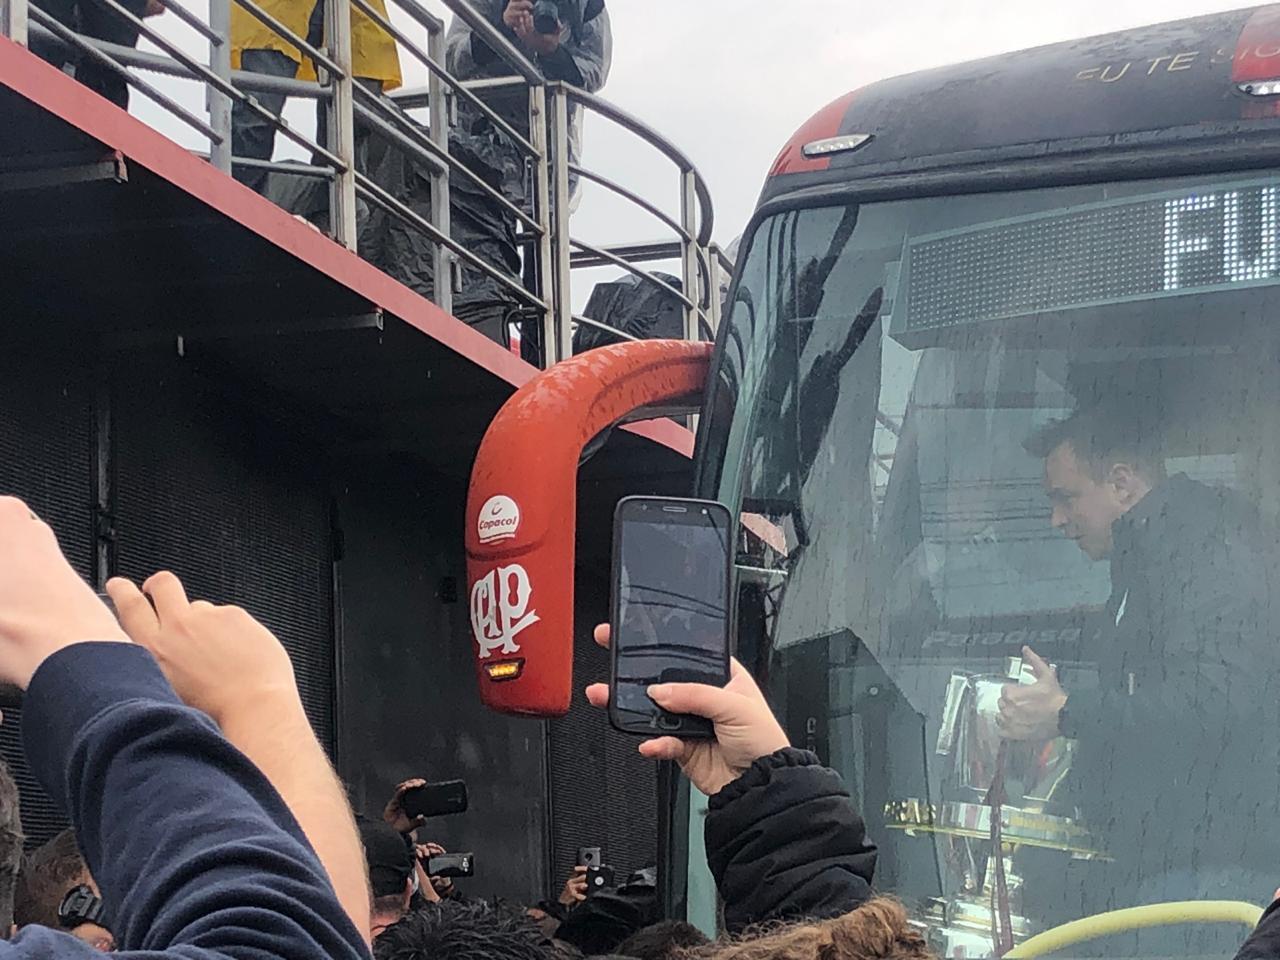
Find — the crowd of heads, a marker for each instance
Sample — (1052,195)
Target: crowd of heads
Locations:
(49,885)
(491,930)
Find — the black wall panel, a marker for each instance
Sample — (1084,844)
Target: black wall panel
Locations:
(604,794)
(408,705)
(233,503)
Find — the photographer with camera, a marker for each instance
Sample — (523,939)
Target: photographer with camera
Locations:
(568,40)
(411,805)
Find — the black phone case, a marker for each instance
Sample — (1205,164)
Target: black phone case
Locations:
(684,726)
(436,799)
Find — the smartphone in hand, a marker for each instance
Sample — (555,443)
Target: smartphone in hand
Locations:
(451,865)
(436,799)
(670,620)
(599,879)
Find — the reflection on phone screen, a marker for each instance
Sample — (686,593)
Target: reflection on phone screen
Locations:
(672,610)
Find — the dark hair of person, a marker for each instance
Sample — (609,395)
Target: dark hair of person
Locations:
(385,906)
(10,846)
(662,940)
(1101,437)
(464,930)
(877,930)
(46,876)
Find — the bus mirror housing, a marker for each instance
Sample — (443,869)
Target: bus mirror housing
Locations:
(521,511)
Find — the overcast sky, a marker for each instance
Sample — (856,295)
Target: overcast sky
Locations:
(730,80)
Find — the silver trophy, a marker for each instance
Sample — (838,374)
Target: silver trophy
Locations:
(990,779)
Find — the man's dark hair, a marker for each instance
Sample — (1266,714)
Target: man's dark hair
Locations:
(464,930)
(1101,436)
(10,847)
(48,873)
(662,940)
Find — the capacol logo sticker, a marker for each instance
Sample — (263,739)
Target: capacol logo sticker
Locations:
(499,519)
(501,609)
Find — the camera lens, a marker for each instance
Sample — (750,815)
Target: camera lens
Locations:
(546,16)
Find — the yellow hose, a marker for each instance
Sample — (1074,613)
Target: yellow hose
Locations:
(1136,918)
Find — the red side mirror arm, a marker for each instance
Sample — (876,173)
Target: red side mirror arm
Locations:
(521,511)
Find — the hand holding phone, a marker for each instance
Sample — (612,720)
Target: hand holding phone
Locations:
(745,728)
(671,609)
(435,799)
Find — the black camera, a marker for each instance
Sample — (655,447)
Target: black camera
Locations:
(599,879)
(548,15)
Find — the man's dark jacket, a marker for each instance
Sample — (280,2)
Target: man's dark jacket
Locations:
(784,841)
(1177,764)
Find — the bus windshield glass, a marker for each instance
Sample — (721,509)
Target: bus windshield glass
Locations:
(1008,468)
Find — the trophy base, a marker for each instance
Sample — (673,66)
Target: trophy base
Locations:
(1018,827)
(961,927)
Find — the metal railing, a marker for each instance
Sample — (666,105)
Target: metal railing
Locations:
(550,252)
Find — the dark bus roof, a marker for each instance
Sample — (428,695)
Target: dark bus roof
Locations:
(1189,81)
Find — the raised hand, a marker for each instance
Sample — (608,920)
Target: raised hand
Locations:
(745,727)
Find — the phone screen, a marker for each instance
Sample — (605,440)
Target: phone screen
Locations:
(671,607)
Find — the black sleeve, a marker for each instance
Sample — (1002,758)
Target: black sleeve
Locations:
(1264,942)
(583,59)
(1197,660)
(196,854)
(784,841)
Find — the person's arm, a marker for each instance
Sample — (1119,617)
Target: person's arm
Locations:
(195,853)
(783,837)
(191,846)
(583,61)
(467,55)
(259,710)
(784,841)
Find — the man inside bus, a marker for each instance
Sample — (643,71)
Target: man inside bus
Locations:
(1174,768)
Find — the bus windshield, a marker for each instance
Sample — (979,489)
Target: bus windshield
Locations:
(1008,467)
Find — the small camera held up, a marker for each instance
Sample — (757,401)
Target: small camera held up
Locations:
(549,16)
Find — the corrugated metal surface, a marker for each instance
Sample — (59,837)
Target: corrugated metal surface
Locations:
(220,497)
(603,793)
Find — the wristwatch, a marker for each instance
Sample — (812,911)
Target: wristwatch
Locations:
(80,905)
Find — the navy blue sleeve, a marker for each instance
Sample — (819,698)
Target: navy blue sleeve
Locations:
(196,854)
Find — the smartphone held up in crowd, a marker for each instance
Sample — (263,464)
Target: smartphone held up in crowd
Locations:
(436,799)
(670,620)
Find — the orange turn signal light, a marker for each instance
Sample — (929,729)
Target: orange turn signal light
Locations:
(504,670)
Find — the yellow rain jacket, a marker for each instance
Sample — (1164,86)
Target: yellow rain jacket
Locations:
(373,51)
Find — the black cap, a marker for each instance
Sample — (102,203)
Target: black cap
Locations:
(388,854)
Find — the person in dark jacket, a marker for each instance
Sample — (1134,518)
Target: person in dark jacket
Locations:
(1264,942)
(784,840)
(1171,768)
(197,854)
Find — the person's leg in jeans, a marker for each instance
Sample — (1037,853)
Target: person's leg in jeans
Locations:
(52,51)
(252,135)
(99,21)
(364,161)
